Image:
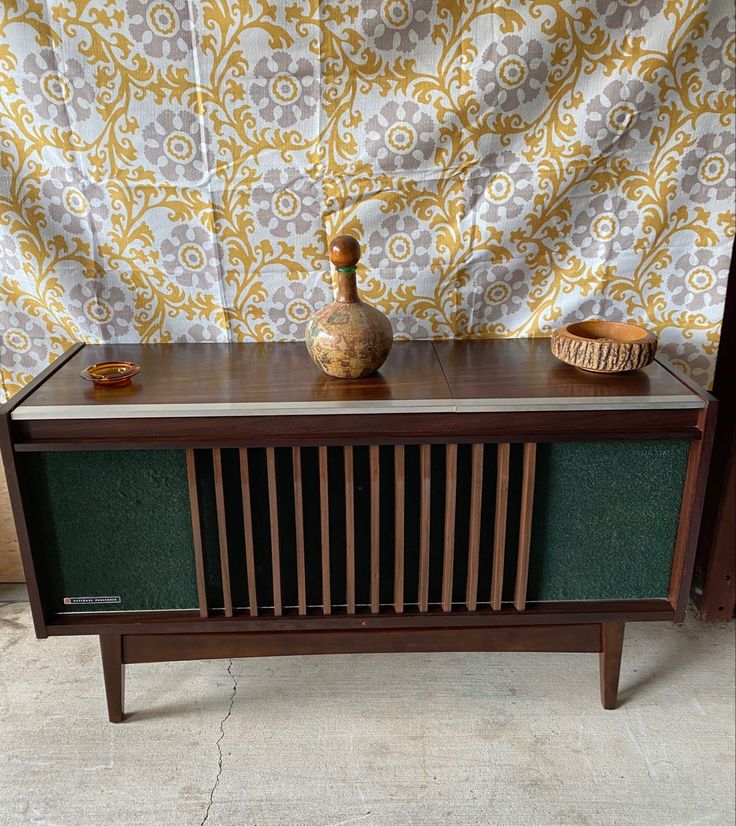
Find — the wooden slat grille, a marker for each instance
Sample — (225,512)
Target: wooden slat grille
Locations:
(196,533)
(365,529)
(499,534)
(250,564)
(296,463)
(273,512)
(476,490)
(222,534)
(449,535)
(525,525)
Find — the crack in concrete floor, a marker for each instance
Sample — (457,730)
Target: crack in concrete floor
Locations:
(219,744)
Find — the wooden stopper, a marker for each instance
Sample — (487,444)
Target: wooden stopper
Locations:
(604,346)
(344,251)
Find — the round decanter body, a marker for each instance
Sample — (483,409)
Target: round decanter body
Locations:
(349,339)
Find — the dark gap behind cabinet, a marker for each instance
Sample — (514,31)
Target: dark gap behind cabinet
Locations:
(261,526)
(208,523)
(462,522)
(387,524)
(235,527)
(287,526)
(337,495)
(438,479)
(412,510)
(487,524)
(312,525)
(362,494)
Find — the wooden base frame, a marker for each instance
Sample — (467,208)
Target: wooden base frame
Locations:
(119,650)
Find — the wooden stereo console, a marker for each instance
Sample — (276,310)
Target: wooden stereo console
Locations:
(473,496)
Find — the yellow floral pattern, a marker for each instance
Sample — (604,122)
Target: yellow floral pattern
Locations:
(171,170)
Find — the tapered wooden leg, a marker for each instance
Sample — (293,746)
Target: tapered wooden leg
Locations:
(612,643)
(113,670)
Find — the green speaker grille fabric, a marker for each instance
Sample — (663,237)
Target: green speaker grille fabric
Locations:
(111,524)
(117,524)
(605,519)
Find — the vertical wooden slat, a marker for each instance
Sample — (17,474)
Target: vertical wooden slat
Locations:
(525,526)
(196,533)
(324,516)
(296,464)
(450,500)
(499,533)
(425,463)
(250,562)
(375,475)
(476,489)
(222,533)
(349,529)
(399,528)
(273,512)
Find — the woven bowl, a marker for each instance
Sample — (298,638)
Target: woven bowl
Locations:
(604,346)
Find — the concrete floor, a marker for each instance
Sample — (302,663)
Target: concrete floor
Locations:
(395,739)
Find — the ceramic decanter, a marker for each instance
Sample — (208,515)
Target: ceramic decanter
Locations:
(348,339)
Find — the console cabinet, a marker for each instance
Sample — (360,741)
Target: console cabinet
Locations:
(474,496)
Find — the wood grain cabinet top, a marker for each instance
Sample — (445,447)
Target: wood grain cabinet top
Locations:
(279,379)
(498,375)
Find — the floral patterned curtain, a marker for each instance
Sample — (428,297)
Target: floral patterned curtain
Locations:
(171,170)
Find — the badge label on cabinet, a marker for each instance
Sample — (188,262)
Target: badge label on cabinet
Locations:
(91,600)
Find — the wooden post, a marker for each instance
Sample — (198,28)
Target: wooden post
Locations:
(714,593)
(113,671)
(717,600)
(197,534)
(525,527)
(612,643)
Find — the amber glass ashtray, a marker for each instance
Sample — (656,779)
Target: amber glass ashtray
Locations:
(109,374)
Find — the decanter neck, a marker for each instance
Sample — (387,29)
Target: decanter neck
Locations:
(347,287)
